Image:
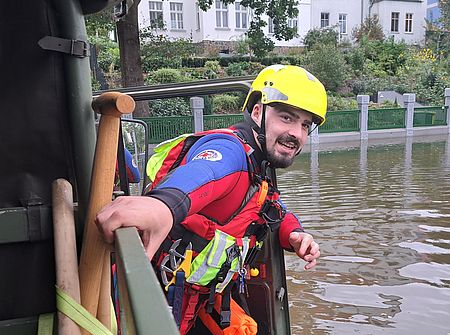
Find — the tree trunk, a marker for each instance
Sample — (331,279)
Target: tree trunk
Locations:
(130,55)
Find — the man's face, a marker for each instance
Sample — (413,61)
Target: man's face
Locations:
(286,132)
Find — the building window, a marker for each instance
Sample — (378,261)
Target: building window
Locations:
(293,23)
(176,15)
(156,14)
(324,20)
(197,17)
(270,25)
(394,21)
(221,15)
(408,22)
(241,15)
(343,24)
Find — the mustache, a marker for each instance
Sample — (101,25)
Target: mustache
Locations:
(290,139)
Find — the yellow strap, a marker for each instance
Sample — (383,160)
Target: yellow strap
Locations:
(65,304)
(45,324)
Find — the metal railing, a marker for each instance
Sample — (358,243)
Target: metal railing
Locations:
(144,309)
(387,118)
(430,116)
(341,121)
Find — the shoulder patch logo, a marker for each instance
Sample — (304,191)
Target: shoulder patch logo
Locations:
(209,155)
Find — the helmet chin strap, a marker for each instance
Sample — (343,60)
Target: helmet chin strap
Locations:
(260,130)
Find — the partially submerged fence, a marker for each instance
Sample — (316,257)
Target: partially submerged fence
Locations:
(358,120)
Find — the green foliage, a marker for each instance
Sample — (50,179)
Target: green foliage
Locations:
(100,24)
(165,76)
(226,104)
(237,69)
(242,46)
(169,107)
(158,50)
(280,11)
(259,44)
(370,29)
(324,36)
(426,76)
(337,103)
(384,57)
(108,53)
(328,65)
(212,68)
(356,59)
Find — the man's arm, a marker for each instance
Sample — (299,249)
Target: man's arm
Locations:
(173,199)
(150,216)
(293,238)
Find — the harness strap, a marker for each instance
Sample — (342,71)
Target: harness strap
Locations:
(192,302)
(225,312)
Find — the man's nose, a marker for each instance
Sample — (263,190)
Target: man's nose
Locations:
(298,131)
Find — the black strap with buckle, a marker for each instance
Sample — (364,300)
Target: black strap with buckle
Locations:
(75,48)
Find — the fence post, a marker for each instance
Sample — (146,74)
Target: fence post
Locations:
(447,105)
(409,100)
(314,136)
(197,105)
(363,105)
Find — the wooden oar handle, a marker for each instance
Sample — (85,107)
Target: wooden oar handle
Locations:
(114,104)
(65,250)
(111,105)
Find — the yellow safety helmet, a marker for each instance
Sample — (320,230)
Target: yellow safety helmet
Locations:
(291,85)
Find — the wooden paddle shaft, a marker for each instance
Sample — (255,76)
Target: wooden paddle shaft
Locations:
(65,250)
(111,105)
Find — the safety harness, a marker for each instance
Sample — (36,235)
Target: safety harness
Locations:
(223,259)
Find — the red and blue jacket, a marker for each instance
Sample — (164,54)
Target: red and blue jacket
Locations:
(210,182)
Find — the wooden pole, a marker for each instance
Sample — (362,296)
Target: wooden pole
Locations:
(65,250)
(111,105)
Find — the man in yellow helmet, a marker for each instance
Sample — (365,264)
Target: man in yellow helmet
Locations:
(216,190)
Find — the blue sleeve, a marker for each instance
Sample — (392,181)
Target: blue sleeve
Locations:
(210,159)
(133,173)
(210,165)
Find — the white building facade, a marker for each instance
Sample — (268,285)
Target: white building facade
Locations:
(402,19)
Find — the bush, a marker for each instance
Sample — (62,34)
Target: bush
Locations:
(327,63)
(336,103)
(324,36)
(236,69)
(212,68)
(165,76)
(169,107)
(226,104)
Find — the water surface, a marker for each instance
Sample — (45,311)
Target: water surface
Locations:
(382,217)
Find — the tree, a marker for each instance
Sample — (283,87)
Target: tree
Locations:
(130,55)
(279,10)
(370,29)
(128,35)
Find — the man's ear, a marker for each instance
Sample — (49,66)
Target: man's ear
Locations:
(257,113)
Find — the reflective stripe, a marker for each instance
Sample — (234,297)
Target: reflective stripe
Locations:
(208,263)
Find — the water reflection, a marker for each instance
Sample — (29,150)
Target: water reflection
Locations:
(382,216)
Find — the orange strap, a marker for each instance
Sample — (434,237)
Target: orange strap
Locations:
(262,193)
(209,322)
(241,323)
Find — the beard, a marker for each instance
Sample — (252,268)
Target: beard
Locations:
(278,160)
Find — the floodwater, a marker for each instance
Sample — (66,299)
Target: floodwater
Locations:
(382,217)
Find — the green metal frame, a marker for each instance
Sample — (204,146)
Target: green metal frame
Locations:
(430,116)
(387,118)
(144,309)
(341,121)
